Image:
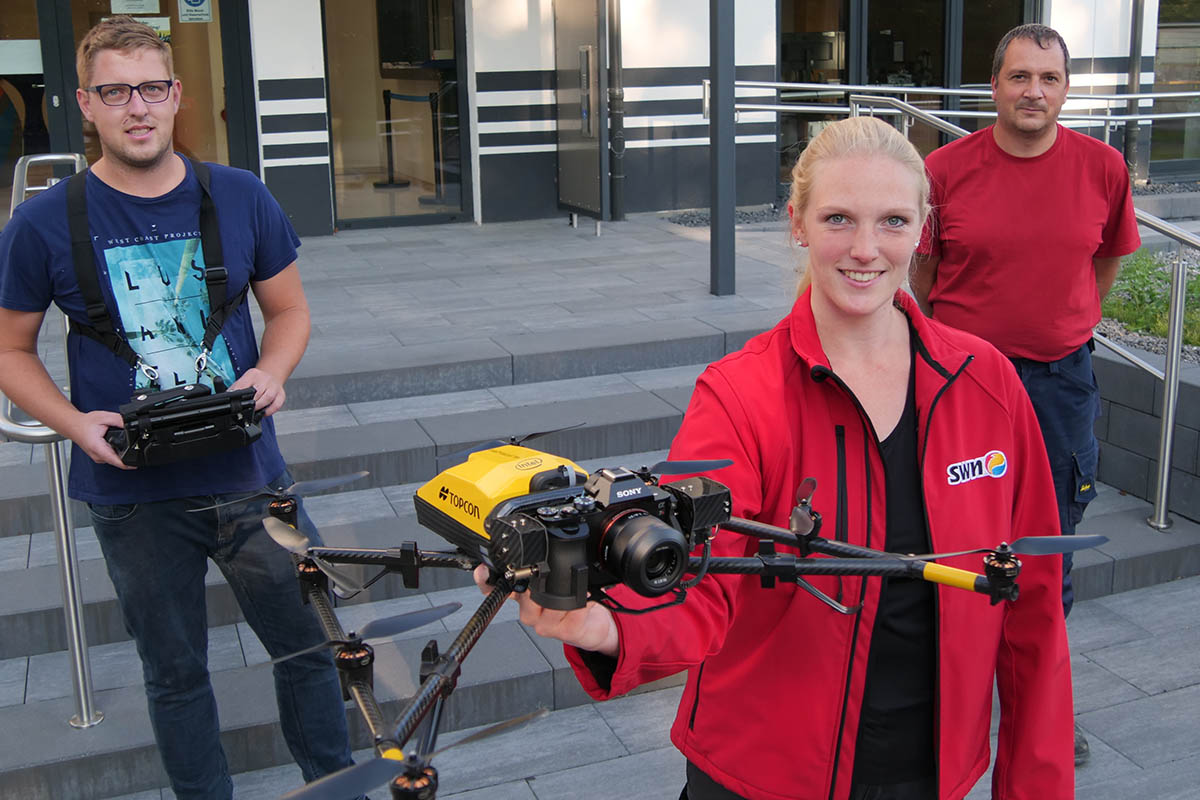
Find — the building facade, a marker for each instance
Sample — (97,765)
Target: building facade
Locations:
(388,112)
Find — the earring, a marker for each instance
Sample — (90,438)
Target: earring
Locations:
(801,242)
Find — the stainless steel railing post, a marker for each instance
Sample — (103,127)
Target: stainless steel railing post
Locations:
(32,433)
(1161,520)
(81,669)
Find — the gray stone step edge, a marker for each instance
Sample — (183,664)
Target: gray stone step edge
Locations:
(332,374)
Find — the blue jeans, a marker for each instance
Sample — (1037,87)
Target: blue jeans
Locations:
(1067,402)
(157,556)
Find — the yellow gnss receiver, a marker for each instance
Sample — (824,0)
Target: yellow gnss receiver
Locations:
(456,502)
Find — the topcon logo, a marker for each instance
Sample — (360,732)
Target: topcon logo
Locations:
(461,503)
(992,464)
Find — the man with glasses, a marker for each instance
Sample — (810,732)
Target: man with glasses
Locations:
(149,214)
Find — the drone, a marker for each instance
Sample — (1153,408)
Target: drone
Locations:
(544,525)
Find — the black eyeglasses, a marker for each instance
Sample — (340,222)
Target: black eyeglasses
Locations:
(118,94)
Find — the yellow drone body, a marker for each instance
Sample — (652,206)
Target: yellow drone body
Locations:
(455,503)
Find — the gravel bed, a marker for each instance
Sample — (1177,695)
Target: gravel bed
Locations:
(1143,341)
(698,217)
(1166,188)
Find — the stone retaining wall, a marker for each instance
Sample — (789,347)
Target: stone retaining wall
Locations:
(1129,425)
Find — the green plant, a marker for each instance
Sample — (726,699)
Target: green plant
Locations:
(1140,297)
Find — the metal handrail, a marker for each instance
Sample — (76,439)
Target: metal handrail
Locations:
(857,100)
(843,88)
(1107,118)
(86,714)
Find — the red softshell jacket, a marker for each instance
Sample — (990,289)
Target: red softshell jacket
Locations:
(775,679)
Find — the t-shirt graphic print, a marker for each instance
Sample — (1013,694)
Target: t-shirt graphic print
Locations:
(163,304)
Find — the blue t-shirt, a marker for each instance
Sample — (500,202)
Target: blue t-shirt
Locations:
(150,262)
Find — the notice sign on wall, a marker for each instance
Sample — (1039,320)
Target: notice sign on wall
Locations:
(135,6)
(195,10)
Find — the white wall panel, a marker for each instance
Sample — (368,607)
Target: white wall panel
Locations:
(674,33)
(287,39)
(1101,28)
(512,35)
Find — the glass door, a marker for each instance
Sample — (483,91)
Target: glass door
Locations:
(1175,143)
(906,45)
(812,49)
(394,111)
(24,129)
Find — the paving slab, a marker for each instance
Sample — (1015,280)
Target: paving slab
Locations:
(1150,731)
(13,674)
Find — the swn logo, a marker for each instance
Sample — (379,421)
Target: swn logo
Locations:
(461,503)
(993,464)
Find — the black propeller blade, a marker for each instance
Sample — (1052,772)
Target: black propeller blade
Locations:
(350,782)
(297,489)
(1029,546)
(361,778)
(381,629)
(295,541)
(685,467)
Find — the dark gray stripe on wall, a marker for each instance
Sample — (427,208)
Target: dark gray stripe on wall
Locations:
(303,192)
(290,123)
(516,113)
(528,80)
(1107,64)
(660,178)
(678,76)
(519,186)
(271,151)
(291,89)
(518,138)
(515,80)
(660,132)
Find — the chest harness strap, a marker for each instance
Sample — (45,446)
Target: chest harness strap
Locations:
(101,327)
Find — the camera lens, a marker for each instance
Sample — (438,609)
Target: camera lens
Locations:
(644,553)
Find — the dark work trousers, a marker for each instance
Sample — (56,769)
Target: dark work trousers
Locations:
(701,787)
(1067,403)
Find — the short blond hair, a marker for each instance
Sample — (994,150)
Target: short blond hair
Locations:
(124,34)
(862,136)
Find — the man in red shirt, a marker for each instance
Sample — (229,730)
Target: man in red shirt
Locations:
(1030,222)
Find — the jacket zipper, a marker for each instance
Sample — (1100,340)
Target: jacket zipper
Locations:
(842,533)
(696,701)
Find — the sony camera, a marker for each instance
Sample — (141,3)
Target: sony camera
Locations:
(185,422)
(573,534)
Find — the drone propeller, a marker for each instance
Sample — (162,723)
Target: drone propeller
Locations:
(361,778)
(297,489)
(381,629)
(686,467)
(1028,546)
(513,440)
(295,541)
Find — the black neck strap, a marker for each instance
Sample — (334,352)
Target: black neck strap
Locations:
(100,325)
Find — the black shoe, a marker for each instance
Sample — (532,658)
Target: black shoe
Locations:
(1083,751)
